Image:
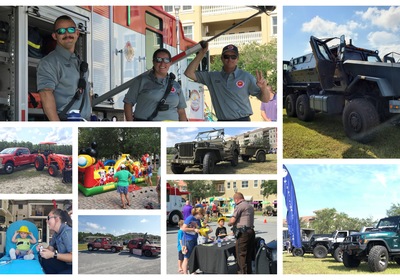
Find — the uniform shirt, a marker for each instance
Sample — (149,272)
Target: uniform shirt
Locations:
(123,177)
(59,71)
(244,214)
(230,92)
(147,90)
(270,109)
(62,240)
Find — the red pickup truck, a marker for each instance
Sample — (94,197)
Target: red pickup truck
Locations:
(142,246)
(14,157)
(105,243)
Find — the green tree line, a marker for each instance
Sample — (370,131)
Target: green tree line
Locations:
(125,237)
(112,142)
(59,149)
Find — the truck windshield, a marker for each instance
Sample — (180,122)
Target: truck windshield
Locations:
(389,224)
(209,135)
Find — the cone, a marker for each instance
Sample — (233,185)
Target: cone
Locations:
(265,221)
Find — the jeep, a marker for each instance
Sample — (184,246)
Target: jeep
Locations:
(205,152)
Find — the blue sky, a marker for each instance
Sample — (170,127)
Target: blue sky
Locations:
(120,224)
(184,134)
(374,27)
(61,135)
(359,190)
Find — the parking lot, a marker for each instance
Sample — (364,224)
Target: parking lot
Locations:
(105,262)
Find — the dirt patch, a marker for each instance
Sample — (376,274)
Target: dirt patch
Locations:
(26,180)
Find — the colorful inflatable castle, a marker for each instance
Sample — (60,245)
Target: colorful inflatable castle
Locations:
(95,176)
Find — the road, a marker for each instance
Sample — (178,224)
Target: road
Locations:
(105,262)
(267,230)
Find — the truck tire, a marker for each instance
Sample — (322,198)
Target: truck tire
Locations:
(90,247)
(303,109)
(378,258)
(290,105)
(39,163)
(174,217)
(297,252)
(245,158)
(147,253)
(350,261)
(235,159)
(209,163)
(113,250)
(177,168)
(260,156)
(320,251)
(53,170)
(338,254)
(359,118)
(8,168)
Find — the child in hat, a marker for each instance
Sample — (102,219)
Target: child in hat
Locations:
(220,232)
(23,244)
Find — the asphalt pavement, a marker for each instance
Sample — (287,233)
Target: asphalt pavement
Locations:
(265,227)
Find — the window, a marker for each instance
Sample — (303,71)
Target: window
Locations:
(245,184)
(255,183)
(228,185)
(221,188)
(186,8)
(169,9)
(274,25)
(234,185)
(188,31)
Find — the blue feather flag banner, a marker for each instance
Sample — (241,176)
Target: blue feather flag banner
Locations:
(292,215)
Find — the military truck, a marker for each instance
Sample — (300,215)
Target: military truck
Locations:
(346,80)
(253,151)
(376,247)
(205,152)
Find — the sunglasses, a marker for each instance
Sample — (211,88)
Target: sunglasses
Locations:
(233,57)
(62,31)
(49,217)
(161,59)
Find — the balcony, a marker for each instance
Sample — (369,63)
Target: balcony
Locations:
(218,10)
(237,39)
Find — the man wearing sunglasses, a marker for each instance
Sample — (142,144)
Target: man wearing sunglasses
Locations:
(231,87)
(152,86)
(60,80)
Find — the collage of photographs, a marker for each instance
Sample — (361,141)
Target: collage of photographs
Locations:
(172,139)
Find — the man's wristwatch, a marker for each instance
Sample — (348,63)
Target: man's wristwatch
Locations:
(55,255)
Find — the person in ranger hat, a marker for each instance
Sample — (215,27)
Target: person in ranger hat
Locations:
(23,244)
(231,87)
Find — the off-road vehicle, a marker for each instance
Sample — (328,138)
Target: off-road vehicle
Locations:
(377,247)
(205,152)
(249,151)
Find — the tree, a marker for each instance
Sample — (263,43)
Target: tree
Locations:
(269,187)
(394,210)
(255,56)
(201,190)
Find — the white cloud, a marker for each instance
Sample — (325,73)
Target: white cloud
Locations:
(387,19)
(144,220)
(95,226)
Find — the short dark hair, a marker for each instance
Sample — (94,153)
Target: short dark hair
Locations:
(162,50)
(63,17)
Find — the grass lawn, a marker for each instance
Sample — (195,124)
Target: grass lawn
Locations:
(310,265)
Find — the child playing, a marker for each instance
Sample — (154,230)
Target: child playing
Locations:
(123,177)
(149,175)
(181,246)
(23,244)
(220,232)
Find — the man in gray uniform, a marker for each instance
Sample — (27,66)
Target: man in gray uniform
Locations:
(231,87)
(242,221)
(59,74)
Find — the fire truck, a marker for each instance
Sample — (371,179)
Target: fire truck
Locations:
(176,199)
(117,42)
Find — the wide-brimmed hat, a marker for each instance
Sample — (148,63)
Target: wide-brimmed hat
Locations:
(24,229)
(221,218)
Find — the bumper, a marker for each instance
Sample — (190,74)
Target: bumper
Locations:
(183,161)
(353,249)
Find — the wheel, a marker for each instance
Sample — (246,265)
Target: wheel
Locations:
(147,253)
(131,251)
(303,110)
(298,252)
(290,105)
(8,168)
(260,156)
(90,247)
(177,168)
(174,218)
(39,163)
(378,258)
(359,119)
(245,158)
(320,251)
(235,159)
(113,249)
(338,254)
(209,163)
(53,170)
(350,261)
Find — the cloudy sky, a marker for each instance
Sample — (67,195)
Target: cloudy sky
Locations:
(359,190)
(375,27)
(61,135)
(119,225)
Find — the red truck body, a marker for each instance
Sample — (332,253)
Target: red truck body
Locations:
(15,157)
(104,243)
(142,246)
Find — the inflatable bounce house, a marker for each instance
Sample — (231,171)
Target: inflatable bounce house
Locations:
(95,176)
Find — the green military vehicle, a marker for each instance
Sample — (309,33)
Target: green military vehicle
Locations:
(377,247)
